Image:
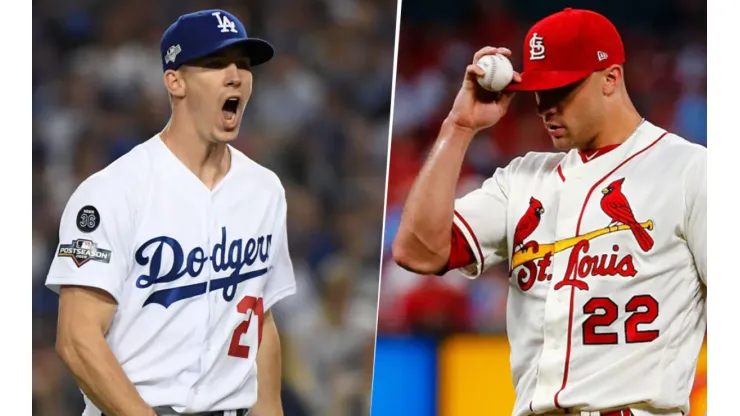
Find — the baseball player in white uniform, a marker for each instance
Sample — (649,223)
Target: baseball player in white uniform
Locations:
(605,240)
(170,259)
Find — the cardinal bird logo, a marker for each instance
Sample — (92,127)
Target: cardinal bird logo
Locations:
(527,224)
(616,206)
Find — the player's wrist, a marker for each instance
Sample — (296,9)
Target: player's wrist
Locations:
(456,128)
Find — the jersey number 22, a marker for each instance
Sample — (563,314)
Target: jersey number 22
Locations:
(643,309)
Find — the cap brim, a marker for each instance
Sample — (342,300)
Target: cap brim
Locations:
(258,50)
(547,80)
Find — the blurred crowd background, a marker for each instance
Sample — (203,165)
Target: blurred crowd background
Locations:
(666,75)
(318,117)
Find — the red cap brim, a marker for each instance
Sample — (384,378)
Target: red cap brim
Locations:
(546,80)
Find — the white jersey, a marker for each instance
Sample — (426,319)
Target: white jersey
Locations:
(606,304)
(193,271)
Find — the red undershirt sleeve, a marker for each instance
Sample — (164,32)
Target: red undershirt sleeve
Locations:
(461,255)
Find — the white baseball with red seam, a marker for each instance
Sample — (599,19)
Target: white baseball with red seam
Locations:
(499,72)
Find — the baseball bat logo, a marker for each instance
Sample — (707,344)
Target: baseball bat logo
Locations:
(533,259)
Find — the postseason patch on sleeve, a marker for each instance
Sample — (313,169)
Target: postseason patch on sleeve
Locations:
(82,251)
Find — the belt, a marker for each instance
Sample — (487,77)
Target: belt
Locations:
(239,412)
(622,412)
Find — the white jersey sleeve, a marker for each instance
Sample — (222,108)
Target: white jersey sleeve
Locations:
(481,217)
(696,213)
(94,238)
(281,281)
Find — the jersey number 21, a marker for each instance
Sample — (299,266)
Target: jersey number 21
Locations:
(236,349)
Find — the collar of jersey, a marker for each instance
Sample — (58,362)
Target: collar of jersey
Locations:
(574,166)
(182,171)
(589,155)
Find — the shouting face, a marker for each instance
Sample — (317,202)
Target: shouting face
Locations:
(215,90)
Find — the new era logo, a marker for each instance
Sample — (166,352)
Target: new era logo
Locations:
(602,55)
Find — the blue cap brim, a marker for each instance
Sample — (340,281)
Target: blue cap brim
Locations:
(258,50)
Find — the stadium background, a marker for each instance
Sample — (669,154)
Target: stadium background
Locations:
(318,117)
(447,334)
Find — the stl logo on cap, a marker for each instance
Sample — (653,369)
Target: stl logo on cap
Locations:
(536,48)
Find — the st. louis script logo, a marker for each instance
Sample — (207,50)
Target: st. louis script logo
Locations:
(234,258)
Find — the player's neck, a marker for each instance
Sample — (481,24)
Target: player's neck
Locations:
(208,161)
(619,127)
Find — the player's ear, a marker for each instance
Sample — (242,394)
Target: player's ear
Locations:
(175,83)
(612,78)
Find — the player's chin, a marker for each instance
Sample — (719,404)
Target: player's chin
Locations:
(227,131)
(229,137)
(226,135)
(562,142)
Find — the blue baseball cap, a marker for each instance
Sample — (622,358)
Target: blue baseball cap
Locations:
(198,34)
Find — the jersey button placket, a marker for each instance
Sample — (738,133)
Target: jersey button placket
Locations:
(212,228)
(559,316)
(207,234)
(557,305)
(553,348)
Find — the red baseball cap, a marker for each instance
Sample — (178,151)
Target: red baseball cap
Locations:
(567,47)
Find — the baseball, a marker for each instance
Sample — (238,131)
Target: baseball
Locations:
(499,72)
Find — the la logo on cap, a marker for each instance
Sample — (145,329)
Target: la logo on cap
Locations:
(536,48)
(224,23)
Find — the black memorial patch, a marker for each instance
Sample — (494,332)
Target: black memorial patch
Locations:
(82,251)
(88,219)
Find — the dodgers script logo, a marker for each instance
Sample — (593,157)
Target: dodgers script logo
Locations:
(233,257)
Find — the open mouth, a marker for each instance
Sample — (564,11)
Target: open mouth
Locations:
(230,108)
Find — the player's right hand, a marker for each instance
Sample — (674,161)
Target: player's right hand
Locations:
(474,107)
